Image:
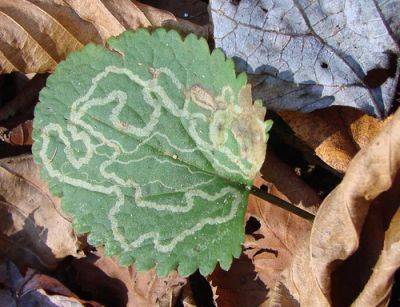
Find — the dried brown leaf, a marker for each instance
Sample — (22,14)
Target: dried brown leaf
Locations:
(377,290)
(20,135)
(240,286)
(271,247)
(106,280)
(34,289)
(346,237)
(33,231)
(37,34)
(335,134)
(193,10)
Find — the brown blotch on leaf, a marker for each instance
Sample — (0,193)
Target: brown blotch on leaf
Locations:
(248,130)
(202,98)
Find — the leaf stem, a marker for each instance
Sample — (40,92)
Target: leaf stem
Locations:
(263,194)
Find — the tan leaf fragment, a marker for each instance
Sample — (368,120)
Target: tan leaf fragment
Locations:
(327,266)
(336,134)
(33,230)
(37,34)
(103,277)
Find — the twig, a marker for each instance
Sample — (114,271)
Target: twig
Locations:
(263,194)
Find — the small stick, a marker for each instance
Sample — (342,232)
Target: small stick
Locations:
(263,194)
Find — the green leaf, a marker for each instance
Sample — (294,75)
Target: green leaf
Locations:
(151,144)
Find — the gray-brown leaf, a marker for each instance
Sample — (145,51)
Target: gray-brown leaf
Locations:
(308,55)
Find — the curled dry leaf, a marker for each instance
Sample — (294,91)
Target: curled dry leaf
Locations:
(377,289)
(34,289)
(348,232)
(116,285)
(33,231)
(336,134)
(37,34)
(269,249)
